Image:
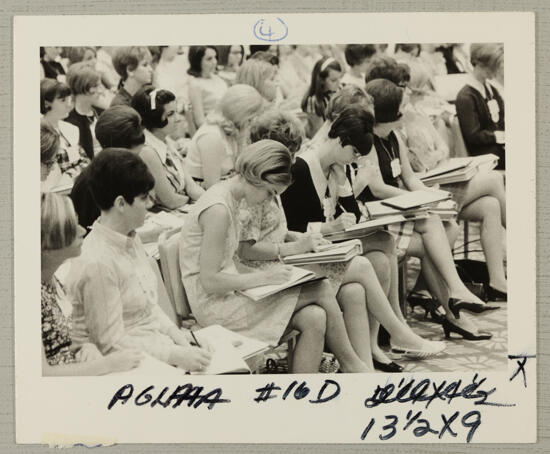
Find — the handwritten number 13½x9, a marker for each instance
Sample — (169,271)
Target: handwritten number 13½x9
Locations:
(421,426)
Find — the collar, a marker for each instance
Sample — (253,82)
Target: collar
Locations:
(158,145)
(477,85)
(114,238)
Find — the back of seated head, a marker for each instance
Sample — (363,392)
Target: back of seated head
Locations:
(265,56)
(487,55)
(118,172)
(387,99)
(195,56)
(151,110)
(353,126)
(128,58)
(350,94)
(265,163)
(383,67)
(279,125)
(356,54)
(58,226)
(49,142)
(51,89)
(258,74)
(76,54)
(81,78)
(119,126)
(238,104)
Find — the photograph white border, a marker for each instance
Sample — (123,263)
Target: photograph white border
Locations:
(49,409)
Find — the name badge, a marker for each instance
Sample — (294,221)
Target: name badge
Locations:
(395,168)
(73,153)
(494,110)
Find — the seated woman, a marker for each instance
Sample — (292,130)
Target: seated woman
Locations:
(216,144)
(49,145)
(230,59)
(479,106)
(174,186)
(325,80)
(260,75)
(209,241)
(133,65)
(319,192)
(85,85)
(112,283)
(55,105)
(61,239)
(206,88)
(387,173)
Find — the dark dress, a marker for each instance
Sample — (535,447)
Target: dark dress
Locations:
(122,98)
(477,126)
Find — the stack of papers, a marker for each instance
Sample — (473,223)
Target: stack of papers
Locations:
(416,199)
(330,253)
(456,170)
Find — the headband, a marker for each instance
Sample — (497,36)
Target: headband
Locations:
(153,96)
(326,63)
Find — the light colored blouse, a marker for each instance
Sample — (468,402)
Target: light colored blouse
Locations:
(114,291)
(212,90)
(194,160)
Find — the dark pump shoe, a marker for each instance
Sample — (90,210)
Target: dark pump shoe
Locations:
(492,294)
(449,327)
(456,305)
(387,367)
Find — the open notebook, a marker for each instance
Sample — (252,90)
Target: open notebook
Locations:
(328,253)
(299,276)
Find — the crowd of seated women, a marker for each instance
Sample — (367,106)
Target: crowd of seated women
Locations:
(269,148)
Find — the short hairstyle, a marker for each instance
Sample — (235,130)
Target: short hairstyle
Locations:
(316,88)
(196,54)
(127,59)
(81,78)
(120,127)
(279,125)
(117,172)
(387,99)
(265,163)
(353,126)
(356,54)
(387,68)
(408,48)
(256,73)
(51,89)
(239,103)
(49,141)
(350,94)
(58,224)
(265,56)
(143,104)
(487,55)
(76,54)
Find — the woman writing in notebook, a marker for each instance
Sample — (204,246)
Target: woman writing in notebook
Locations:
(387,173)
(355,280)
(209,241)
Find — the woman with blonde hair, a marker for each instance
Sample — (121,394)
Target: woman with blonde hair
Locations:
(260,75)
(215,146)
(61,239)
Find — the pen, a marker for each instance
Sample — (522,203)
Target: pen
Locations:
(342,208)
(195,339)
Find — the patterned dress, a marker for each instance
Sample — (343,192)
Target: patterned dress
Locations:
(266,319)
(56,326)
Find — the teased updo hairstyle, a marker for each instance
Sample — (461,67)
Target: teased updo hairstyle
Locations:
(120,127)
(350,94)
(265,163)
(387,68)
(152,109)
(353,126)
(387,99)
(196,54)
(279,125)
(58,225)
(118,172)
(317,87)
(487,55)
(50,90)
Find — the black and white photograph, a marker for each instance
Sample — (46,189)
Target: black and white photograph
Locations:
(261,207)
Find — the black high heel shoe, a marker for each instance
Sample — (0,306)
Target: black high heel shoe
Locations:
(449,327)
(387,367)
(428,304)
(456,305)
(492,294)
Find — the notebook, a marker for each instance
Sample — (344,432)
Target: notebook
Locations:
(459,169)
(416,199)
(376,210)
(245,346)
(329,253)
(365,228)
(299,276)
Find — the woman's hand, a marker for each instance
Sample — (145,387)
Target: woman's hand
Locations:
(309,243)
(123,360)
(192,359)
(343,221)
(88,352)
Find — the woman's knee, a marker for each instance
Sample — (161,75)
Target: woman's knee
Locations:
(351,297)
(381,264)
(311,319)
(495,180)
(491,207)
